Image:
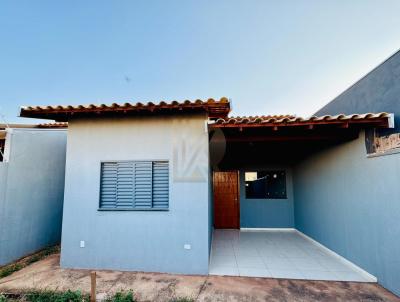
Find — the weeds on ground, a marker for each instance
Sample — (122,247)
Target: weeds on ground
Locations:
(68,296)
(182,299)
(121,297)
(9,269)
(52,296)
(43,254)
(16,266)
(46,296)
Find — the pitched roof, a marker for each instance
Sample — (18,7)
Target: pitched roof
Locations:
(215,109)
(382,119)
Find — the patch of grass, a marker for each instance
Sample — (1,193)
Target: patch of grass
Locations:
(43,254)
(46,296)
(121,297)
(9,269)
(9,298)
(20,264)
(70,296)
(52,296)
(182,299)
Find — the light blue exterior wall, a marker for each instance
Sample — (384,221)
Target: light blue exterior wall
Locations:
(351,204)
(138,240)
(3,186)
(267,213)
(210,210)
(31,191)
(379,177)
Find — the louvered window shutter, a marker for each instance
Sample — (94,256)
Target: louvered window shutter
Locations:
(160,185)
(125,185)
(108,198)
(134,185)
(143,185)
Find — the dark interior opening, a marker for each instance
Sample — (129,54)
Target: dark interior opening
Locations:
(2,144)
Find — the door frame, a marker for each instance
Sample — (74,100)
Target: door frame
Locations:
(237,197)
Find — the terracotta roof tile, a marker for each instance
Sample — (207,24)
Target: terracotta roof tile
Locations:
(53,125)
(290,120)
(215,109)
(27,126)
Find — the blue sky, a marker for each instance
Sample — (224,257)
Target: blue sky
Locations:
(267,56)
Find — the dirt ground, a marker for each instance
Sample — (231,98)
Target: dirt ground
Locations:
(47,274)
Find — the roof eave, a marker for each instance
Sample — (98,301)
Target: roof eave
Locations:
(214,109)
(380,120)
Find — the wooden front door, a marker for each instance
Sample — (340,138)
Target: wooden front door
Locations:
(226,200)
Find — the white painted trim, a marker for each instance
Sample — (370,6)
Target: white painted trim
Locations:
(206,126)
(39,129)
(267,229)
(7,145)
(391,120)
(368,276)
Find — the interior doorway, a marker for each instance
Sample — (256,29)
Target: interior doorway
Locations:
(226,200)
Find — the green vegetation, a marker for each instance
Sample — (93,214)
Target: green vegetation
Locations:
(182,299)
(9,269)
(16,266)
(74,296)
(50,296)
(68,296)
(43,254)
(121,297)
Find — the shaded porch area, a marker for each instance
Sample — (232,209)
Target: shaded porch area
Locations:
(278,254)
(263,194)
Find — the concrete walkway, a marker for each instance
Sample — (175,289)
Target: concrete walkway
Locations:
(47,274)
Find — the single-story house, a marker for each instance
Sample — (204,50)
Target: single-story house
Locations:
(160,187)
(32,162)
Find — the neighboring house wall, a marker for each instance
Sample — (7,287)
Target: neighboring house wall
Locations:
(31,191)
(3,186)
(377,184)
(138,240)
(267,213)
(351,204)
(378,91)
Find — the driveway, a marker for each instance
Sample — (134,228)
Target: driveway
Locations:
(47,274)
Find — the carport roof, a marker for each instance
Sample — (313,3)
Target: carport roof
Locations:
(383,120)
(215,109)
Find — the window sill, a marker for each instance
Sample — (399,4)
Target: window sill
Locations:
(132,210)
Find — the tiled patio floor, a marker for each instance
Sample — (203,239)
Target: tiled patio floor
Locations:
(277,254)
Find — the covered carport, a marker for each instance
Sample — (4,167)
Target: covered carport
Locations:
(255,162)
